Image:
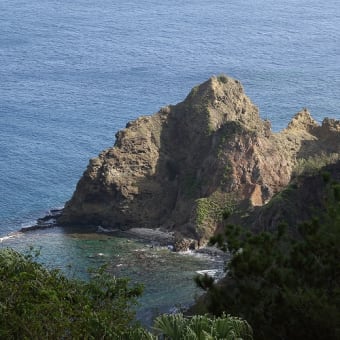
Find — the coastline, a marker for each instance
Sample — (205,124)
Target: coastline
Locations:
(154,237)
(140,254)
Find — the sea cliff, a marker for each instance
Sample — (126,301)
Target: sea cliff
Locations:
(188,166)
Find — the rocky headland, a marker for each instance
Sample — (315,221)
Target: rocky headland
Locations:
(187,167)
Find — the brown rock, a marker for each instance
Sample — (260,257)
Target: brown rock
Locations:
(185,244)
(188,165)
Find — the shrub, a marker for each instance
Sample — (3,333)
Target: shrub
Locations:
(285,287)
(36,303)
(203,327)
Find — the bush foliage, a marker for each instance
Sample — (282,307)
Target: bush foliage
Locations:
(285,287)
(202,327)
(36,303)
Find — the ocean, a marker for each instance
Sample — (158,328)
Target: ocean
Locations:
(72,73)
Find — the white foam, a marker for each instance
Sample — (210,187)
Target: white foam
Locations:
(100,229)
(9,236)
(210,272)
(187,252)
(28,224)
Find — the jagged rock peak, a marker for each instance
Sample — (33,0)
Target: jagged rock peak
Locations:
(303,121)
(214,88)
(331,124)
(224,99)
(330,131)
(180,168)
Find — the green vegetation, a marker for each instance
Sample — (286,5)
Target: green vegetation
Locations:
(212,210)
(36,303)
(312,164)
(207,209)
(202,327)
(285,287)
(227,172)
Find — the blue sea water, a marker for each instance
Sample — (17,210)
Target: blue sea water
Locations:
(167,276)
(72,73)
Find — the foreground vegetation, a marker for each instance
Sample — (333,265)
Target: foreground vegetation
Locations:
(285,287)
(36,303)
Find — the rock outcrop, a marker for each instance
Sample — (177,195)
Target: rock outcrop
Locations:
(187,166)
(306,197)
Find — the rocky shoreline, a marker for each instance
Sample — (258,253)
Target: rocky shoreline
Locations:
(155,237)
(177,177)
(186,168)
(46,222)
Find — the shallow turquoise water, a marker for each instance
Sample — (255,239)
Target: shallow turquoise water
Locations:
(167,276)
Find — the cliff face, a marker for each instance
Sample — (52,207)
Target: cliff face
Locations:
(304,198)
(184,167)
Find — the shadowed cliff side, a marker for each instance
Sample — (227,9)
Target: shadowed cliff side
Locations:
(305,197)
(186,166)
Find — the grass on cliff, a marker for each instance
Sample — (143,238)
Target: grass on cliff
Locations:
(210,211)
(312,164)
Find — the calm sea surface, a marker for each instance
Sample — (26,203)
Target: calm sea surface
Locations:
(72,73)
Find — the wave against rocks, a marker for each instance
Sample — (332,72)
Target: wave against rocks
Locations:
(190,165)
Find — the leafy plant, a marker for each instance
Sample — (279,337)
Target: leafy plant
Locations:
(285,287)
(202,327)
(313,164)
(36,303)
(212,210)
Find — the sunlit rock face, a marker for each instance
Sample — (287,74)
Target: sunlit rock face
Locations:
(185,167)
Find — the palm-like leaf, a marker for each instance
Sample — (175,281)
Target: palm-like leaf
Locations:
(202,327)
(138,334)
(229,327)
(171,325)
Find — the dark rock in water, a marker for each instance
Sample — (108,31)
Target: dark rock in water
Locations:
(48,221)
(37,226)
(51,215)
(189,166)
(185,244)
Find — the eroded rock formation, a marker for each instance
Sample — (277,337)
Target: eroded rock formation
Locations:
(186,166)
